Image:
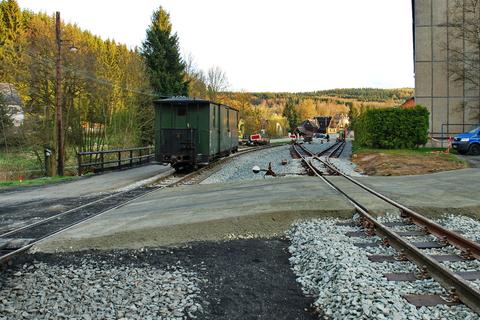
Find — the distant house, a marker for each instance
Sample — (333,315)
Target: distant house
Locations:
(307,127)
(13,102)
(338,122)
(410,103)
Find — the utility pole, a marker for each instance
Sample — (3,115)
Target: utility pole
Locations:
(58,100)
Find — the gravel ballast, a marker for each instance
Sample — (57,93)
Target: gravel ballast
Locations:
(96,291)
(237,280)
(240,169)
(346,285)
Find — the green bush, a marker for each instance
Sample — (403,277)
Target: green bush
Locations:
(392,128)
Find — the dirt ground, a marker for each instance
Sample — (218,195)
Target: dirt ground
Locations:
(405,163)
(246,279)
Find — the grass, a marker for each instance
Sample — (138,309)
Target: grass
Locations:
(18,160)
(22,164)
(421,151)
(35,182)
(399,151)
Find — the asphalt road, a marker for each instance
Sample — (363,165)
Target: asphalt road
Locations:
(86,186)
(473,161)
(262,208)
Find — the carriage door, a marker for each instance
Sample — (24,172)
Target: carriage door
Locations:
(180,117)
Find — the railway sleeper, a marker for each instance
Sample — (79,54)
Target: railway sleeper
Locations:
(439,258)
(412,276)
(419,245)
(426,300)
(387,224)
(400,233)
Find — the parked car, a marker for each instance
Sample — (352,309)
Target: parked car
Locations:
(468,142)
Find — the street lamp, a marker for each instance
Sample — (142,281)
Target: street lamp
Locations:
(60,135)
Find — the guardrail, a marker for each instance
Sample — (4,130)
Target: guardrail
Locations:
(99,161)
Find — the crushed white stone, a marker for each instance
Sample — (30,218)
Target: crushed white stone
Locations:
(42,291)
(346,285)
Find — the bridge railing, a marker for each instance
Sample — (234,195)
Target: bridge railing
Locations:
(99,161)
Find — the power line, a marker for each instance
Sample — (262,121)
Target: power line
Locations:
(89,76)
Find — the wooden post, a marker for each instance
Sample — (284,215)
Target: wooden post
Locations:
(131,158)
(79,159)
(58,99)
(102,165)
(119,159)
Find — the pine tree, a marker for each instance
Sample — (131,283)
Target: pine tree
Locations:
(161,52)
(11,30)
(11,23)
(291,114)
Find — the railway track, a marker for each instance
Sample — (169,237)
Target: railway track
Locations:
(299,151)
(20,239)
(458,285)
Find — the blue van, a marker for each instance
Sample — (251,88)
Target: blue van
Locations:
(468,142)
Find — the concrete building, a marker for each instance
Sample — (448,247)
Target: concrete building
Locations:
(454,106)
(13,102)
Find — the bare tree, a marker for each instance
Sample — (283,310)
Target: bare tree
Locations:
(464,57)
(464,46)
(197,86)
(216,82)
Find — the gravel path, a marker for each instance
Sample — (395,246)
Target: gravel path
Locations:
(348,286)
(240,279)
(99,291)
(241,168)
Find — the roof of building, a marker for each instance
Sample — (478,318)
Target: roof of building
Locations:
(409,103)
(188,100)
(308,126)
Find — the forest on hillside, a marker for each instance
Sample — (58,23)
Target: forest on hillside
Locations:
(105,85)
(272,110)
(359,94)
(109,89)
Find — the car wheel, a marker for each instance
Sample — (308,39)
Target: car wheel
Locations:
(474,149)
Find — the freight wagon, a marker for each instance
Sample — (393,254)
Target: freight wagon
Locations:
(323,123)
(190,132)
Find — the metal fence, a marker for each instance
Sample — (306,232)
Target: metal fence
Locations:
(99,161)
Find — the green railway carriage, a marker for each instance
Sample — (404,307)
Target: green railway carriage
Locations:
(192,132)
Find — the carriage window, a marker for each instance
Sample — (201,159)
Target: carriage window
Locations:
(213,117)
(181,112)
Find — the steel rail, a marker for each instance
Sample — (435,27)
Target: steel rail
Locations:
(8,256)
(58,215)
(325,150)
(181,180)
(338,145)
(467,294)
(457,240)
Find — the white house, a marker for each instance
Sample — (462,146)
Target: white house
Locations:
(13,102)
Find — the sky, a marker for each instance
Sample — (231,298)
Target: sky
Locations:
(268,45)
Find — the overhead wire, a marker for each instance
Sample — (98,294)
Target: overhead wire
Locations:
(84,74)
